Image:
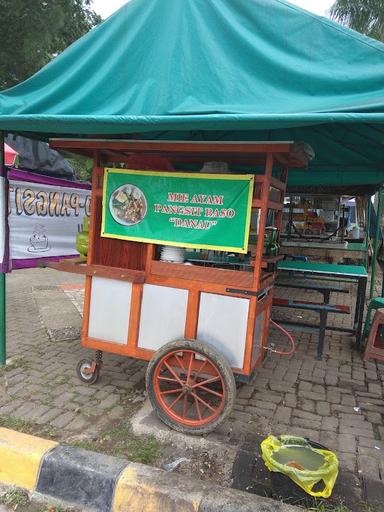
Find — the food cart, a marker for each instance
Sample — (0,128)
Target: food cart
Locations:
(201,318)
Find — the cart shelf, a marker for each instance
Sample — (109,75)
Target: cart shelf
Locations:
(205,274)
(122,274)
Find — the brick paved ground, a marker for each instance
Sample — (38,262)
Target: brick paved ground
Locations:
(337,401)
(43,387)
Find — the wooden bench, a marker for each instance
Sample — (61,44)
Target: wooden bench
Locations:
(322,308)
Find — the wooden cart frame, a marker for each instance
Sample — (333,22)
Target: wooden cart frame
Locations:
(135,263)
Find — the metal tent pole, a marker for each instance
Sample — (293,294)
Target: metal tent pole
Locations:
(367,230)
(376,242)
(3,354)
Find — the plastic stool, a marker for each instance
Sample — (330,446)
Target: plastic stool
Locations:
(375,343)
(374,304)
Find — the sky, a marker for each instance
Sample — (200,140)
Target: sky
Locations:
(106,7)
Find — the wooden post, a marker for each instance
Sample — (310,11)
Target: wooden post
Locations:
(263,219)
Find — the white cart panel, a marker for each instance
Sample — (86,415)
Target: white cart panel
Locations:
(109,310)
(163,315)
(223,324)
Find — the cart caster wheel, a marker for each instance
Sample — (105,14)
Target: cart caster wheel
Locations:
(88,371)
(191,386)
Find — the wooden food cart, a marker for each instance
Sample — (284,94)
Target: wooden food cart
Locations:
(200,325)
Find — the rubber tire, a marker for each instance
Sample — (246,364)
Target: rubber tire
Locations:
(219,361)
(94,377)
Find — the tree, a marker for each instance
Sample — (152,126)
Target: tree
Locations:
(366,16)
(35,31)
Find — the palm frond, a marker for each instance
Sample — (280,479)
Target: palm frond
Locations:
(365,16)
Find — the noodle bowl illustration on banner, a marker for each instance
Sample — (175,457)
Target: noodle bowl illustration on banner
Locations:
(128,205)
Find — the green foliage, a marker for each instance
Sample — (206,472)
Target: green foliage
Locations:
(81,165)
(365,16)
(27,427)
(321,506)
(34,32)
(15,498)
(121,442)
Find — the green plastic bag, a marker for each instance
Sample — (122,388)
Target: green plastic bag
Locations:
(306,466)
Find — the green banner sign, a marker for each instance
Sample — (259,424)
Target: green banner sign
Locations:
(182,209)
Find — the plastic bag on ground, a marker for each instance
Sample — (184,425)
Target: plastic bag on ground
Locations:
(303,464)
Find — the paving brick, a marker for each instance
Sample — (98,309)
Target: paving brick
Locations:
(306,415)
(375,389)
(108,402)
(307,405)
(50,415)
(137,376)
(330,442)
(283,414)
(341,409)
(280,386)
(124,384)
(348,400)
(369,467)
(290,400)
(258,411)
(261,405)
(333,397)
(331,379)
(330,424)
(357,431)
(376,446)
(323,408)
(306,423)
(63,399)
(305,386)
(77,424)
(245,391)
(348,461)
(267,396)
(306,432)
(347,443)
(241,416)
(63,420)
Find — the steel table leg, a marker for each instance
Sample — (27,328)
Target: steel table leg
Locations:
(323,325)
(360,302)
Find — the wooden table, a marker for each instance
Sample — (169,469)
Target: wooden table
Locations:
(345,273)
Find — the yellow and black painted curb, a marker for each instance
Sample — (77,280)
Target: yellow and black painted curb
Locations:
(100,483)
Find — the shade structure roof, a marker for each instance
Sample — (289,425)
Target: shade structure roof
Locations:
(219,70)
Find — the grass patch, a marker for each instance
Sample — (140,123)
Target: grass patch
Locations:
(48,401)
(328,507)
(145,449)
(15,499)
(121,442)
(367,507)
(28,427)
(19,362)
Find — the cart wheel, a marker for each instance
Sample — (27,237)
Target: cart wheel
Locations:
(88,371)
(191,386)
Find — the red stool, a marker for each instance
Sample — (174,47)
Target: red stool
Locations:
(375,344)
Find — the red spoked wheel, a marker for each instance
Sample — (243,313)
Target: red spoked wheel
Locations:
(191,386)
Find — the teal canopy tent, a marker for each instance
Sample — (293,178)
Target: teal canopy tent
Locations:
(218,69)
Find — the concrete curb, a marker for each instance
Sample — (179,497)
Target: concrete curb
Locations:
(100,483)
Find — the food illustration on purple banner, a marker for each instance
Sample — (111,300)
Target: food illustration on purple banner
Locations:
(128,205)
